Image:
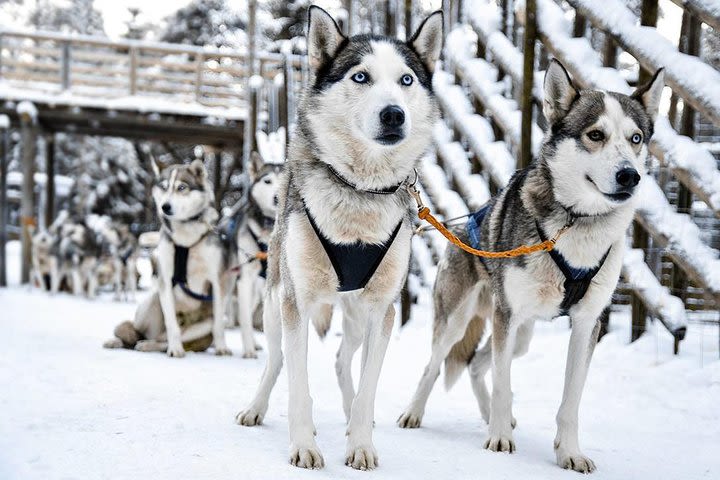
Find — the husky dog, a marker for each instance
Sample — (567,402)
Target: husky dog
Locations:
(591,161)
(45,270)
(78,252)
(344,220)
(125,255)
(187,309)
(253,236)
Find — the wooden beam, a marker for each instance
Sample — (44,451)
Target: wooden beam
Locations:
(648,18)
(527,85)
(50,180)
(28,129)
(703,10)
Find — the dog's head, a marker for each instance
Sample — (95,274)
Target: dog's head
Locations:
(371,97)
(182,192)
(598,140)
(42,239)
(265,180)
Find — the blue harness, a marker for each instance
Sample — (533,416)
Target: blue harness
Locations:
(577,280)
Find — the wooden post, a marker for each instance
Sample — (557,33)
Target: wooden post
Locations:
(28,129)
(50,180)
(252,34)
(527,85)
(609,52)
(216,156)
(65,66)
(254,85)
(682,47)
(639,312)
(408,19)
(4,126)
(579,25)
(648,18)
(199,67)
(390,18)
(133,70)
(283,114)
(350,8)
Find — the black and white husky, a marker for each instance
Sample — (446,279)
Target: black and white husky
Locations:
(591,161)
(344,223)
(187,309)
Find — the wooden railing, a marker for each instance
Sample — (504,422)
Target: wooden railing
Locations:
(98,67)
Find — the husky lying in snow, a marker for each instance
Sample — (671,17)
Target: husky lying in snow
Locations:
(187,309)
(591,161)
(344,224)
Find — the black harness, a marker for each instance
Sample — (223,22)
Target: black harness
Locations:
(355,263)
(263,247)
(179,277)
(577,280)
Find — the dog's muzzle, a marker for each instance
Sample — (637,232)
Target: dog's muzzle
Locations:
(392,119)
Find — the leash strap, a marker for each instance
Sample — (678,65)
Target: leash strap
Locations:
(179,277)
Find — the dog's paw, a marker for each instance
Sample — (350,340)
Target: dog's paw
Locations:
(500,443)
(363,457)
(576,461)
(409,419)
(176,352)
(224,351)
(250,417)
(113,343)
(250,354)
(306,457)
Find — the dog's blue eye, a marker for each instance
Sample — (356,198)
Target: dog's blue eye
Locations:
(596,136)
(406,80)
(181,187)
(636,138)
(360,77)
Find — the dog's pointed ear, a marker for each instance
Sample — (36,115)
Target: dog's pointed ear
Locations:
(427,40)
(323,37)
(559,92)
(649,94)
(197,168)
(256,165)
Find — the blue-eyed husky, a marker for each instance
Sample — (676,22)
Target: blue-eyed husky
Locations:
(590,164)
(344,224)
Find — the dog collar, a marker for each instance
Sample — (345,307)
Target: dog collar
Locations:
(381,191)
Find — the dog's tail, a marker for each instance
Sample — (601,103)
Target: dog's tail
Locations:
(323,320)
(463,351)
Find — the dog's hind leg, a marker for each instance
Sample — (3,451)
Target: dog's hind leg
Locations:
(448,331)
(219,302)
(503,346)
(582,343)
(360,453)
(54,277)
(254,414)
(351,341)
(304,451)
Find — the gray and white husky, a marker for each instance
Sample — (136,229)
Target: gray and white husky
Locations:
(591,161)
(344,223)
(187,309)
(256,222)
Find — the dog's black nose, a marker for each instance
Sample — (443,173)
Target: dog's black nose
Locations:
(166,208)
(392,116)
(628,177)
(276,200)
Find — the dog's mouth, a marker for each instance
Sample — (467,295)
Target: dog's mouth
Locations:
(390,137)
(618,196)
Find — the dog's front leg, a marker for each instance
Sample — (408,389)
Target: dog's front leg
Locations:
(245,286)
(361,453)
(582,343)
(167,305)
(218,328)
(54,277)
(503,337)
(304,452)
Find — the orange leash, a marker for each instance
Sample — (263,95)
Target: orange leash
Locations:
(424,214)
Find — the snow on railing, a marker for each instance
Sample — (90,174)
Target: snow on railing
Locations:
(692,164)
(695,81)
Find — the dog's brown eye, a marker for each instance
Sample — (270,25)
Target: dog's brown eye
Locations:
(596,135)
(267,181)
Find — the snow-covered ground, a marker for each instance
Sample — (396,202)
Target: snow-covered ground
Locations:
(71,409)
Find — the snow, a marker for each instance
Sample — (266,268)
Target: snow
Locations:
(256,82)
(4,121)
(27,109)
(63,183)
(75,410)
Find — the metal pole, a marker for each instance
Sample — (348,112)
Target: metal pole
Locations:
(27,219)
(527,86)
(4,125)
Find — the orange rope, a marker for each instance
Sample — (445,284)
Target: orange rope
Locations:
(546,246)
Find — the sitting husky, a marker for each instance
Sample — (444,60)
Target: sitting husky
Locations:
(591,161)
(344,223)
(187,309)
